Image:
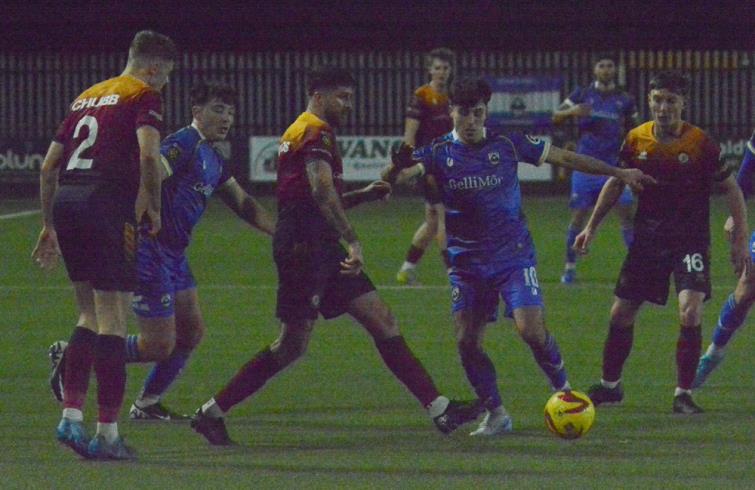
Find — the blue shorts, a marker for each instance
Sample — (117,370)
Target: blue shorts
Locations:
(585,190)
(752,246)
(161,272)
(480,289)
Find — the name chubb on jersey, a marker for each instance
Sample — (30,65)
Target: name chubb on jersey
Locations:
(95,102)
(474,182)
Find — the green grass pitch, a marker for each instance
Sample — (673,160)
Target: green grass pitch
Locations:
(338,419)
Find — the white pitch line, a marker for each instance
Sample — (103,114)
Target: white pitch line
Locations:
(226,287)
(19,214)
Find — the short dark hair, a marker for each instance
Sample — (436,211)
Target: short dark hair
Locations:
(603,55)
(469,91)
(204,91)
(150,45)
(444,54)
(328,77)
(673,81)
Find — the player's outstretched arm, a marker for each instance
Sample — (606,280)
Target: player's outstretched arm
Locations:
(740,253)
(632,177)
(402,167)
(46,250)
(374,191)
(610,193)
(150,179)
(320,177)
(246,207)
(567,110)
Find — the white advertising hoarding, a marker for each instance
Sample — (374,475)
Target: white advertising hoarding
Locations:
(363,158)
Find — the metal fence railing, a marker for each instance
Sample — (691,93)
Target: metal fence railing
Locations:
(36,88)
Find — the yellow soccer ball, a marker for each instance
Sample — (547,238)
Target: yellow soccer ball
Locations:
(569,414)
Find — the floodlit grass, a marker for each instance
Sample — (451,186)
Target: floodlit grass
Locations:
(339,420)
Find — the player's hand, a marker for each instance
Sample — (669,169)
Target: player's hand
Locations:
(729,228)
(146,215)
(581,110)
(583,240)
(47,251)
(740,256)
(401,157)
(635,178)
(378,189)
(352,265)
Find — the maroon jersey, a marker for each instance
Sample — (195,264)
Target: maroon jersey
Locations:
(99,134)
(308,138)
(430,108)
(677,208)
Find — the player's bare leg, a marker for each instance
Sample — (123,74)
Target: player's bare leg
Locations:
(290,345)
(578,220)
(423,237)
(530,324)
(375,316)
(169,341)
(732,317)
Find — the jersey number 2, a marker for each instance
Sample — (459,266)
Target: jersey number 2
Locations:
(76,162)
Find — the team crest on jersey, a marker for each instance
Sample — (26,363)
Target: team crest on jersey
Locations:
(449,162)
(643,155)
(534,140)
(455,294)
(326,141)
(494,157)
(284,147)
(174,152)
(683,158)
(166,299)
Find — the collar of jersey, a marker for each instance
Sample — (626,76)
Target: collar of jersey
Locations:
(193,125)
(456,139)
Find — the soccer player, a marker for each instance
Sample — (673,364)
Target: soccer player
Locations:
(166,301)
(100,177)
(604,114)
(738,304)
(473,172)
(427,118)
(672,235)
(316,274)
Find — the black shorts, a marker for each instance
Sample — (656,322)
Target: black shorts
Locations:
(309,281)
(97,237)
(647,267)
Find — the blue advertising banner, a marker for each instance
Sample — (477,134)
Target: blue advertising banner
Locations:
(523,101)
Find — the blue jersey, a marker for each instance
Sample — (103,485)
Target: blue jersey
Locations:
(197,170)
(479,187)
(746,175)
(602,132)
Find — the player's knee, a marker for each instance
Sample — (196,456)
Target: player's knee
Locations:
(190,339)
(158,349)
(286,353)
(468,345)
(690,316)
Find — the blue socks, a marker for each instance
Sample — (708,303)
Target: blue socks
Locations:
(571,234)
(548,357)
(628,235)
(728,322)
(481,374)
(165,372)
(132,349)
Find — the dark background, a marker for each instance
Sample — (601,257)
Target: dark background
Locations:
(283,25)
